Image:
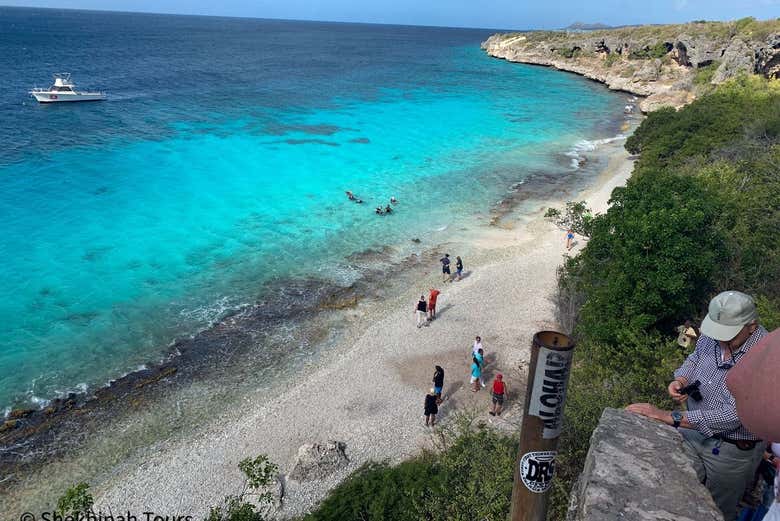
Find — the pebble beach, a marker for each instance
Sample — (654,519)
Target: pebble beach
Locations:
(368,392)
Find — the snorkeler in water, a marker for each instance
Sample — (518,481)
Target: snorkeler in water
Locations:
(393,200)
(350,195)
(379,210)
(388,209)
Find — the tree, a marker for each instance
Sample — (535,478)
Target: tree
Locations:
(259,475)
(576,217)
(76,501)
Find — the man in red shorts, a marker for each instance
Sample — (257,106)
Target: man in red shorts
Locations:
(432,303)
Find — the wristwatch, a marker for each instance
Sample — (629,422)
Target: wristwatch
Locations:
(676,418)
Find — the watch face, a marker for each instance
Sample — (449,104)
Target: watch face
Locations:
(677,416)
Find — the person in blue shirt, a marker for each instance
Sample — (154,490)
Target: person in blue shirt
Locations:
(476,373)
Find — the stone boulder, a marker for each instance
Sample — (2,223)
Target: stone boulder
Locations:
(737,59)
(768,57)
(639,469)
(317,460)
(650,71)
(697,53)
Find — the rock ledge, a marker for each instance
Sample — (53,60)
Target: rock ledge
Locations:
(639,469)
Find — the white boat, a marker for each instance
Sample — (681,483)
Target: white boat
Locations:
(65,90)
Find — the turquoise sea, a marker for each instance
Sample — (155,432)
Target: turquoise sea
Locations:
(218,166)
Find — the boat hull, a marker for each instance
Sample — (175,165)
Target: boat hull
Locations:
(61,97)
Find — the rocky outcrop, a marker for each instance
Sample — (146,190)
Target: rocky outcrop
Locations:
(639,469)
(316,461)
(697,52)
(768,57)
(737,58)
(668,65)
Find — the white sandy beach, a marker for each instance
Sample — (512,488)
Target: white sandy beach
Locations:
(369,393)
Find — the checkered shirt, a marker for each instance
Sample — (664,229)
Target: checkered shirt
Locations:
(716,413)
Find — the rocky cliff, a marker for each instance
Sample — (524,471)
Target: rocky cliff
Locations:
(641,470)
(669,65)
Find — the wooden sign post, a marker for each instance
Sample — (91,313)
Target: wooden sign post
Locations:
(548,377)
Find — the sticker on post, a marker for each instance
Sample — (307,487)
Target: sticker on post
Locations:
(537,470)
(549,391)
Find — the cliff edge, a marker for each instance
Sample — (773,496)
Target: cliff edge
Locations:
(670,65)
(641,470)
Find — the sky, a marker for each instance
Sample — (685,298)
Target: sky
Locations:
(494,14)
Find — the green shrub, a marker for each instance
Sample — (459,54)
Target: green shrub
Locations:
(638,270)
(471,478)
(577,217)
(768,312)
(572,52)
(612,58)
(670,138)
(255,501)
(76,501)
(705,74)
(658,50)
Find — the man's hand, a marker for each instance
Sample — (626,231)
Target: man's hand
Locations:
(649,410)
(674,391)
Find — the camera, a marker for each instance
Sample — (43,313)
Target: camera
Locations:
(692,390)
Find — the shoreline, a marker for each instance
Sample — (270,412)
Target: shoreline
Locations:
(367,396)
(342,310)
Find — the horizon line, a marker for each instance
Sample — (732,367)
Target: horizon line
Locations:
(118,11)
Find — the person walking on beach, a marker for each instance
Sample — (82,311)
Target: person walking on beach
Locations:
(476,374)
(458,267)
(431,408)
(432,297)
(421,311)
(569,239)
(500,390)
(445,267)
(438,383)
(477,345)
(480,356)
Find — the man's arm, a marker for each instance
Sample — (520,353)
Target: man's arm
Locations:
(708,422)
(653,412)
(715,421)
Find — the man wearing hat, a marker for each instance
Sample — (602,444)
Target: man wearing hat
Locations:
(729,452)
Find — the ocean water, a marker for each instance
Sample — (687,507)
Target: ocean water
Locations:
(219,165)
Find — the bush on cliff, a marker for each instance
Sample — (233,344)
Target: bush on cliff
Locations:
(470,478)
(699,215)
(638,270)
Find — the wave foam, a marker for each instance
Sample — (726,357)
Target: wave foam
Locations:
(585,145)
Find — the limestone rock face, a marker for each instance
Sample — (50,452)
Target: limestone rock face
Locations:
(317,460)
(659,64)
(768,57)
(639,469)
(650,71)
(737,59)
(697,52)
